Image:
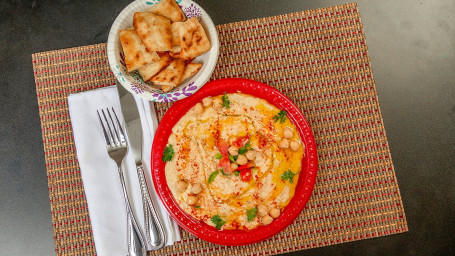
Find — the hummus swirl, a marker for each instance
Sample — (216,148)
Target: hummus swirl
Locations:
(236,161)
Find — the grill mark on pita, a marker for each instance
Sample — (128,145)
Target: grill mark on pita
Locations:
(194,41)
(136,54)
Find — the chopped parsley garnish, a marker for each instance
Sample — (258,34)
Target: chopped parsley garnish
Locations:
(168,153)
(218,221)
(231,158)
(288,175)
(281,116)
(197,206)
(245,148)
(222,172)
(226,102)
(236,173)
(251,214)
(218,156)
(213,176)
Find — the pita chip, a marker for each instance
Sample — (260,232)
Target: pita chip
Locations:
(193,39)
(191,70)
(136,54)
(169,9)
(175,52)
(171,76)
(175,29)
(149,70)
(154,31)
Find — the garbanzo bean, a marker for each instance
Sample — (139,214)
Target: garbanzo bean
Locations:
(181,185)
(233,150)
(196,188)
(217,103)
(284,143)
(191,200)
(262,210)
(207,101)
(275,212)
(241,160)
(198,108)
(288,133)
(295,145)
(251,155)
(266,220)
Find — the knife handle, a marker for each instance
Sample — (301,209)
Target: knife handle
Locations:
(153,228)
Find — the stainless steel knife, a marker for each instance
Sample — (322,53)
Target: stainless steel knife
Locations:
(155,235)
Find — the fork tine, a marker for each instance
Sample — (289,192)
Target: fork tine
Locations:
(114,127)
(111,135)
(106,138)
(121,132)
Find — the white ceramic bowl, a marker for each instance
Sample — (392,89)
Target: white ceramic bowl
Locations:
(133,81)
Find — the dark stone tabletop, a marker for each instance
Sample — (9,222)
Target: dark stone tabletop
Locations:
(412,49)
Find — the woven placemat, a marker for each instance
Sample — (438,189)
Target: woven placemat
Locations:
(319,59)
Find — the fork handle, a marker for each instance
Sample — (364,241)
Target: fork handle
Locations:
(136,245)
(154,230)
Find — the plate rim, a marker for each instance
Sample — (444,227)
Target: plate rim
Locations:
(305,184)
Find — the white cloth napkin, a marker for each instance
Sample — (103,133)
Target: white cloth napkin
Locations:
(99,172)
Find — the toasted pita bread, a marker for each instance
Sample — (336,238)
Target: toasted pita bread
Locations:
(149,70)
(169,9)
(175,29)
(193,39)
(154,31)
(136,54)
(191,70)
(171,76)
(175,52)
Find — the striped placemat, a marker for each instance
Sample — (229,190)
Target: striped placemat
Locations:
(319,59)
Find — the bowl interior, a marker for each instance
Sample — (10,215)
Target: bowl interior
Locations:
(133,82)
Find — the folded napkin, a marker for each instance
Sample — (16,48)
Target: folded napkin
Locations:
(99,172)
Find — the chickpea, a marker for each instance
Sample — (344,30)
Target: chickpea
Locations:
(233,150)
(295,145)
(262,210)
(275,212)
(181,185)
(241,160)
(207,101)
(196,188)
(198,108)
(266,220)
(234,166)
(284,143)
(251,155)
(288,133)
(217,103)
(191,200)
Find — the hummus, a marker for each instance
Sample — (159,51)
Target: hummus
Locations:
(235,161)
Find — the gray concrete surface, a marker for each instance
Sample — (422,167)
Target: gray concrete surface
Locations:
(412,50)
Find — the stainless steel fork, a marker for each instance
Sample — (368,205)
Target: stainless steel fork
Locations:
(117,148)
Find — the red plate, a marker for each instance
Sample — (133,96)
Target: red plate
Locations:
(306,179)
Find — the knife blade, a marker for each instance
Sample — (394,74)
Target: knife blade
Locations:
(154,230)
(133,123)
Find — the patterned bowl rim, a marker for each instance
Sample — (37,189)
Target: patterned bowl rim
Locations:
(182,91)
